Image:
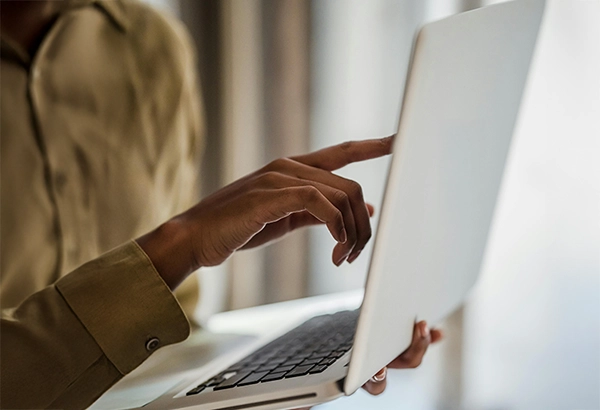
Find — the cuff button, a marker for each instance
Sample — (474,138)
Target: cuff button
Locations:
(152,344)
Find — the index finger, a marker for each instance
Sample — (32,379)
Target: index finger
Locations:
(338,156)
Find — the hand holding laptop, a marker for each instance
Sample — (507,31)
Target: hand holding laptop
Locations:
(286,194)
(409,359)
(460,107)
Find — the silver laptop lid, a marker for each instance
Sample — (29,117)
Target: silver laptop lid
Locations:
(460,108)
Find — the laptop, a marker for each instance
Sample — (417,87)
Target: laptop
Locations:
(461,103)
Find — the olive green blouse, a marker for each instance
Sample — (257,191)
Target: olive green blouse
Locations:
(101,135)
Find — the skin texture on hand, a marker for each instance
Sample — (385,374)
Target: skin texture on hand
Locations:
(287,194)
(284,195)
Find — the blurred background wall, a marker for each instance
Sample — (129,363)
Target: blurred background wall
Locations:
(281,77)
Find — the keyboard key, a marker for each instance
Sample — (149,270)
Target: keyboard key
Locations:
(232,381)
(253,378)
(299,371)
(258,361)
(250,367)
(319,355)
(264,367)
(310,361)
(273,376)
(285,368)
(304,354)
(293,361)
(196,390)
(310,348)
(268,355)
(214,381)
(317,369)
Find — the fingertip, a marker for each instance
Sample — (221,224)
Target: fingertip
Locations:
(421,330)
(377,384)
(436,335)
(337,261)
(353,256)
(388,142)
(375,389)
(417,326)
(425,330)
(339,255)
(370,210)
(380,375)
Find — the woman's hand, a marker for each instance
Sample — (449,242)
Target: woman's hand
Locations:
(284,195)
(409,359)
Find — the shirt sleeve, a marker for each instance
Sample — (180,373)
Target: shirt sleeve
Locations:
(67,344)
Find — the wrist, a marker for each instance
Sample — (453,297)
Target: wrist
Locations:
(169,247)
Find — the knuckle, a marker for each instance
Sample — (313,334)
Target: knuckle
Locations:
(311,193)
(355,190)
(278,164)
(271,166)
(346,146)
(269,178)
(341,198)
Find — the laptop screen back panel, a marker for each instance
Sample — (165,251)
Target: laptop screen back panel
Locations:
(460,108)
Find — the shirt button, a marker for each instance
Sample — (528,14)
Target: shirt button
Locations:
(152,344)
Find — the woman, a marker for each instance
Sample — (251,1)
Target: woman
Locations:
(101,142)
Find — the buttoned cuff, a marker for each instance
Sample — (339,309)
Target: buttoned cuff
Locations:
(125,305)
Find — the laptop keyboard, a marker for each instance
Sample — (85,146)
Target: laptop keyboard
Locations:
(307,349)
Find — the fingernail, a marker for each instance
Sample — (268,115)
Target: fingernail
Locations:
(353,257)
(380,376)
(340,260)
(425,331)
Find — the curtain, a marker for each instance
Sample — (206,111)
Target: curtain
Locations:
(254,65)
